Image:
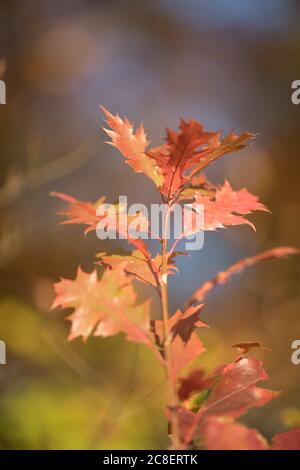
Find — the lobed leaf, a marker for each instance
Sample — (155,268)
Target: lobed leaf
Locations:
(79,212)
(228,207)
(189,151)
(103,307)
(176,163)
(223,434)
(86,213)
(138,265)
(246,346)
(185,343)
(132,146)
(234,392)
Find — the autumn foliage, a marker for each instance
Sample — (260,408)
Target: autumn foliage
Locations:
(203,407)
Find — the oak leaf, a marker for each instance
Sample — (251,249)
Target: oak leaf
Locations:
(103,307)
(174,164)
(85,213)
(289,440)
(223,434)
(246,346)
(189,151)
(138,265)
(79,212)
(228,207)
(185,343)
(235,391)
(132,146)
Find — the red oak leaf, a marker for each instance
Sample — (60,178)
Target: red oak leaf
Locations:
(233,394)
(86,213)
(221,434)
(110,215)
(230,143)
(289,440)
(236,391)
(183,354)
(189,151)
(227,207)
(132,146)
(182,152)
(177,162)
(185,343)
(220,208)
(103,307)
(138,265)
(183,324)
(79,212)
(246,346)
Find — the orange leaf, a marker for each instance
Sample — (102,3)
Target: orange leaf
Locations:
(132,146)
(103,307)
(246,346)
(228,207)
(221,434)
(79,212)
(289,440)
(185,343)
(233,394)
(177,162)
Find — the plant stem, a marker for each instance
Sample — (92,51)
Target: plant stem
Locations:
(167,342)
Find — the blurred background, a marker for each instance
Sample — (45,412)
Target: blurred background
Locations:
(227,63)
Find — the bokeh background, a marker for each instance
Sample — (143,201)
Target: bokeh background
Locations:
(227,63)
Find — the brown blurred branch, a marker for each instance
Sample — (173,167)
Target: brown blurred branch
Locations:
(18,184)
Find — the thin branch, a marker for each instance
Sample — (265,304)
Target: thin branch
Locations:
(18,185)
(167,344)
